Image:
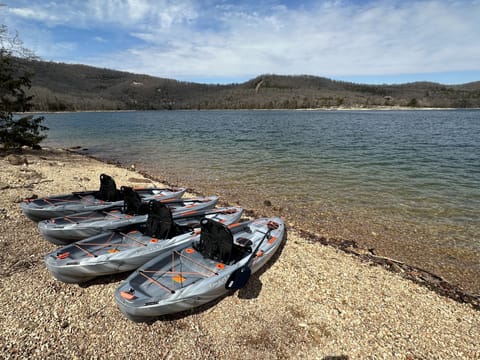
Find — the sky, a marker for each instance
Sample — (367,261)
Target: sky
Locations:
(228,41)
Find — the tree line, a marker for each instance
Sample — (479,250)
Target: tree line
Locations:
(29,84)
(66,87)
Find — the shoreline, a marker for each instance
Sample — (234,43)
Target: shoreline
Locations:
(405,242)
(411,272)
(334,108)
(312,302)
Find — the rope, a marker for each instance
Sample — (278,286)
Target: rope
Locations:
(196,263)
(132,238)
(152,280)
(86,251)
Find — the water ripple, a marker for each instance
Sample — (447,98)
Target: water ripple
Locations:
(416,166)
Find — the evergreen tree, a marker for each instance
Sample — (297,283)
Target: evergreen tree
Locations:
(22,131)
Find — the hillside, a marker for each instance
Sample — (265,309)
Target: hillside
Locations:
(65,87)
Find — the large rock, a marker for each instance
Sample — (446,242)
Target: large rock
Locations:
(16,159)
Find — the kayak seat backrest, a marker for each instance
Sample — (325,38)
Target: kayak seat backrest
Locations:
(132,202)
(160,223)
(216,240)
(108,189)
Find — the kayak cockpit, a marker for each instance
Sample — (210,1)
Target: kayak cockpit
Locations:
(217,243)
(212,255)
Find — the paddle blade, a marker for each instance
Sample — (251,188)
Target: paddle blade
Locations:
(238,279)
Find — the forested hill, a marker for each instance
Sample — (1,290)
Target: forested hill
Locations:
(64,87)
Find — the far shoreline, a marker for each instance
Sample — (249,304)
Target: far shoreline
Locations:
(372,108)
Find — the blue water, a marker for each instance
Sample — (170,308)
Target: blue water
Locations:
(421,168)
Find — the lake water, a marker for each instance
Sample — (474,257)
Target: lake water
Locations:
(402,176)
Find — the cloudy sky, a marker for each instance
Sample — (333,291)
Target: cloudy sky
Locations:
(215,41)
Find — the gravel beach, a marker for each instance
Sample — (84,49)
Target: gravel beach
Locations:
(314,301)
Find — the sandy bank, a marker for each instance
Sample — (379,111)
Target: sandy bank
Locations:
(314,301)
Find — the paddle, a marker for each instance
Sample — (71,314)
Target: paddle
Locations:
(239,278)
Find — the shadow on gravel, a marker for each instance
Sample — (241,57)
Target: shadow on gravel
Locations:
(105,279)
(254,285)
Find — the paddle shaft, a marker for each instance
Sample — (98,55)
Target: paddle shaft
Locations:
(254,253)
(239,278)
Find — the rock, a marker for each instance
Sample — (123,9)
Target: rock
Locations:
(138,180)
(56,163)
(16,159)
(30,175)
(64,324)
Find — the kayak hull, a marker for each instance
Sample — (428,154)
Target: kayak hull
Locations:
(68,204)
(68,229)
(115,252)
(184,278)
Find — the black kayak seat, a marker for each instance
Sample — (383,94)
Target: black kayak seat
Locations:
(108,189)
(132,202)
(216,241)
(159,221)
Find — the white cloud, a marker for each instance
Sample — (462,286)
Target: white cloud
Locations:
(100,39)
(231,39)
(98,13)
(48,13)
(376,39)
(138,12)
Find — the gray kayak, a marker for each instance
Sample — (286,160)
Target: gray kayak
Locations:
(107,197)
(201,270)
(114,252)
(67,229)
